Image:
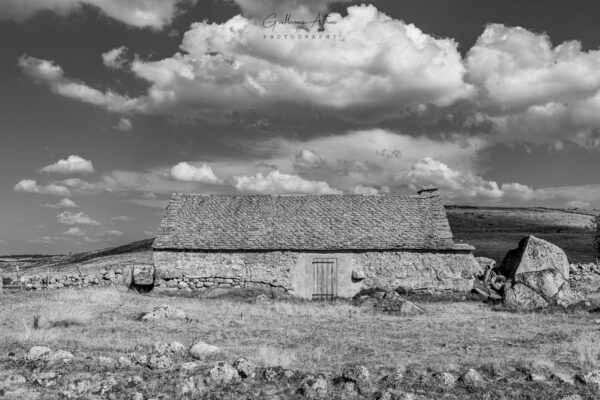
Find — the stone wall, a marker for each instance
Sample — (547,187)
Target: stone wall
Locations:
(292,271)
(105,277)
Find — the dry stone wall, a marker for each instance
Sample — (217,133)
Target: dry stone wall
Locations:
(105,277)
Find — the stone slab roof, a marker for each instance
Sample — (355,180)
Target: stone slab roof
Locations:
(305,222)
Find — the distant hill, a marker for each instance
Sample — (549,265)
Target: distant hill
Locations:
(495,230)
(492,230)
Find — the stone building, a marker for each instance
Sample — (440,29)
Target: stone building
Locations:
(310,245)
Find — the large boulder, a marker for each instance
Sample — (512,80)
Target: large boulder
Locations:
(534,254)
(538,273)
(143,275)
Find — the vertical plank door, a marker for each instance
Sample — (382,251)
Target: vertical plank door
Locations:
(324,278)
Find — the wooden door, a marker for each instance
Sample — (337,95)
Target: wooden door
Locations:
(324,278)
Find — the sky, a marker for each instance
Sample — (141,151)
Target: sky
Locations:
(107,107)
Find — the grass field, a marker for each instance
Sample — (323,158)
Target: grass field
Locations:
(312,337)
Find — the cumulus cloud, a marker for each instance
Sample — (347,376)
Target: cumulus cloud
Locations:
(124,125)
(468,187)
(155,14)
(277,182)
(69,218)
(46,72)
(31,186)
(72,165)
(84,187)
(148,233)
(307,158)
(115,58)
(64,203)
(190,173)
(383,67)
(74,231)
(534,91)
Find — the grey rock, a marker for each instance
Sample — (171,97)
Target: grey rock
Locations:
(356,373)
(445,379)
(547,283)
(189,366)
(125,362)
(202,350)
(169,348)
(472,378)
(563,378)
(314,387)
(46,379)
(164,311)
(535,377)
(591,378)
(38,353)
(245,368)
(159,361)
(521,297)
(60,356)
(143,274)
(222,373)
(13,380)
(534,254)
(358,274)
(105,362)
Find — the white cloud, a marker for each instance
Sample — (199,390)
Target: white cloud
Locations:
(89,239)
(74,231)
(190,173)
(277,182)
(577,204)
(83,187)
(72,165)
(122,218)
(541,96)
(124,125)
(382,68)
(155,14)
(360,189)
(115,58)
(44,71)
(64,203)
(31,186)
(69,218)
(307,158)
(148,233)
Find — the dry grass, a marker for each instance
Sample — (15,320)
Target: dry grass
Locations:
(301,335)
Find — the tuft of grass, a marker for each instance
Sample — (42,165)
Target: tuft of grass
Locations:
(587,351)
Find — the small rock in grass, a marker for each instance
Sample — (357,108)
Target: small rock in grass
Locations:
(202,350)
(356,373)
(13,380)
(125,362)
(591,378)
(137,396)
(159,361)
(60,356)
(46,379)
(105,362)
(189,366)
(138,358)
(394,379)
(563,378)
(169,348)
(164,311)
(472,378)
(534,377)
(245,367)
(222,373)
(314,388)
(38,353)
(445,379)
